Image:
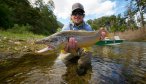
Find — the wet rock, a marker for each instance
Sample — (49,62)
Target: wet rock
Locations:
(28,50)
(17,43)
(25,46)
(5,38)
(6,55)
(16,49)
(10,41)
(1,46)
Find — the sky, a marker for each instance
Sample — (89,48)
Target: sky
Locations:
(93,8)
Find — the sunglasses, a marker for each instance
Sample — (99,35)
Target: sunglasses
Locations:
(78,13)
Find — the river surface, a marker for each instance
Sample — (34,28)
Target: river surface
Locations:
(117,64)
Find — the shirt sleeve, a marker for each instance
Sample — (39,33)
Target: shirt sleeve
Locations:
(88,27)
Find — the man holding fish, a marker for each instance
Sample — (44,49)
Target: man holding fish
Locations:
(73,39)
(77,23)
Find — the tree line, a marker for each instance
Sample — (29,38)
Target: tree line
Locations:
(113,23)
(37,18)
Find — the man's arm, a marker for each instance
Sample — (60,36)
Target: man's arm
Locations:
(88,27)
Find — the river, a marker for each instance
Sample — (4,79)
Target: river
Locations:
(116,64)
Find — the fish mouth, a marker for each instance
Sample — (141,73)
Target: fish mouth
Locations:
(48,48)
(51,47)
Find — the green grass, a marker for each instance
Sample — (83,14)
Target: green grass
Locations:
(23,36)
(17,44)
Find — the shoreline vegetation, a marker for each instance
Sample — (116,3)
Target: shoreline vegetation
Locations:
(132,35)
(17,44)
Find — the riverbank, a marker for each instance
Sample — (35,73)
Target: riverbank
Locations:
(14,45)
(132,35)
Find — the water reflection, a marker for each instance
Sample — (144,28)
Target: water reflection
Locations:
(119,64)
(28,69)
(131,55)
(106,72)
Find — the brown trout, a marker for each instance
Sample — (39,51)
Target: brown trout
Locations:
(60,39)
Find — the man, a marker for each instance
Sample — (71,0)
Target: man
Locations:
(71,50)
(77,23)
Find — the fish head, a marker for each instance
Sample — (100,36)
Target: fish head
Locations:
(54,42)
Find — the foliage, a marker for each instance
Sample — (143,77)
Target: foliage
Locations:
(59,29)
(112,23)
(4,16)
(121,23)
(136,7)
(20,29)
(20,36)
(21,12)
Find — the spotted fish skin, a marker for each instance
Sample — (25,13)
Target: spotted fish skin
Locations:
(59,39)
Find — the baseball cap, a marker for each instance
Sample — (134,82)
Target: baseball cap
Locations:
(77,6)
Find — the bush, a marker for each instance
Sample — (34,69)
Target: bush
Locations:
(20,29)
(58,29)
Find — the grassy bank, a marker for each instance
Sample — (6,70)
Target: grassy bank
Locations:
(17,44)
(22,36)
(13,44)
(133,35)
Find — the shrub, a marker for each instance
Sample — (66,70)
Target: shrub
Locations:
(20,29)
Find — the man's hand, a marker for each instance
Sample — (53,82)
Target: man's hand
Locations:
(71,45)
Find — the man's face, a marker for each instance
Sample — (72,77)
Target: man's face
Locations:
(77,16)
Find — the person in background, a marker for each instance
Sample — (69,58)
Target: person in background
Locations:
(104,33)
(83,55)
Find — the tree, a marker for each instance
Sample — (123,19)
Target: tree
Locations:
(48,21)
(140,6)
(40,17)
(129,15)
(5,20)
(112,23)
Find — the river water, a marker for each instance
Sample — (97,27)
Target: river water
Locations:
(116,64)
